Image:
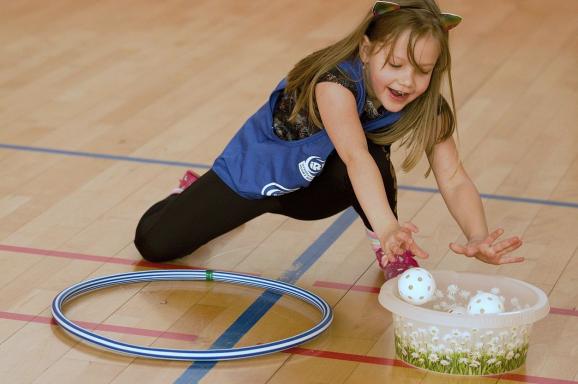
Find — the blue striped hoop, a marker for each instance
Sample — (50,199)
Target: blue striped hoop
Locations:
(188,275)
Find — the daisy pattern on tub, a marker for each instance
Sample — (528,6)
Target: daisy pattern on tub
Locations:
(459,350)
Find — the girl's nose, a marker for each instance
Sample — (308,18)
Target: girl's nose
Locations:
(406,78)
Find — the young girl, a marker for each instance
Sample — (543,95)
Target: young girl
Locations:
(321,144)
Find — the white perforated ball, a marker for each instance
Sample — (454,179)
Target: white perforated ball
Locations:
(416,286)
(484,303)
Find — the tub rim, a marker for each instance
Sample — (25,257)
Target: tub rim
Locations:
(390,301)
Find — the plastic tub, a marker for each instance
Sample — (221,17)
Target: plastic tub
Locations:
(432,338)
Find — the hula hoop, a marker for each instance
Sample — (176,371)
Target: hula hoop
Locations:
(187,275)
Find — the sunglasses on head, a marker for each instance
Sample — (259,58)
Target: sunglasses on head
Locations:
(448,20)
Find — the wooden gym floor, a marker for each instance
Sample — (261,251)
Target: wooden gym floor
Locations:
(104,104)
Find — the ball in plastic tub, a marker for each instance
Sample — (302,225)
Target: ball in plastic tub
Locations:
(416,286)
(485,303)
(431,338)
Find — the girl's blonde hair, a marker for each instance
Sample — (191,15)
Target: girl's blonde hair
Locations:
(420,127)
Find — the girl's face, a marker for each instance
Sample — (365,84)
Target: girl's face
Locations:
(397,83)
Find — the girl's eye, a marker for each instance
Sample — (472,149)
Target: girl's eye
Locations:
(395,65)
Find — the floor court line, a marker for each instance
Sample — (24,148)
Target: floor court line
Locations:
(98,259)
(112,260)
(375,360)
(197,373)
(488,196)
(53,151)
(100,327)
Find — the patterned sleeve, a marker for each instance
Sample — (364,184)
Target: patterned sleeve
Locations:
(336,76)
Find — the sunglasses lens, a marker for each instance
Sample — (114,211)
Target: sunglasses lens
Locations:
(449,20)
(382,7)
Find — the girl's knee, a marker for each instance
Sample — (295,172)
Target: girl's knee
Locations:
(149,243)
(156,248)
(151,250)
(153,247)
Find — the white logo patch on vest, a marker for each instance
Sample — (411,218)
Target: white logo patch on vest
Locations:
(311,167)
(274,189)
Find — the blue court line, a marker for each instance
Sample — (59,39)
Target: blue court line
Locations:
(489,196)
(257,310)
(26,148)
(102,156)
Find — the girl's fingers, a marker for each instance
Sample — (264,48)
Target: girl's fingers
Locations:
(416,250)
(405,230)
(509,260)
(495,234)
(409,244)
(485,250)
(393,248)
(509,249)
(391,257)
(457,248)
(382,260)
(509,243)
(471,251)
(397,250)
(411,226)
(404,237)
(492,254)
(401,241)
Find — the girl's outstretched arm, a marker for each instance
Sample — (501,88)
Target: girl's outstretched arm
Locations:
(337,107)
(465,205)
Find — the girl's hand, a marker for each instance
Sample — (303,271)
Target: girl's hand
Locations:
(399,241)
(490,252)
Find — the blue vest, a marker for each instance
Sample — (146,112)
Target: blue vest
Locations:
(257,163)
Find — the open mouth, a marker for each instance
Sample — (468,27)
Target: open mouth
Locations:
(397,94)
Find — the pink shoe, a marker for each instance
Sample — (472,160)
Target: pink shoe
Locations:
(397,267)
(189,178)
(185,182)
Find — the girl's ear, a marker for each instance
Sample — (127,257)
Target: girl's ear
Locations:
(365,49)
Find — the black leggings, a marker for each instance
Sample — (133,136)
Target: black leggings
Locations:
(181,223)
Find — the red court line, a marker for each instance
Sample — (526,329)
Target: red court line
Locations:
(348,357)
(101,259)
(564,311)
(346,287)
(101,327)
(147,264)
(367,288)
(294,351)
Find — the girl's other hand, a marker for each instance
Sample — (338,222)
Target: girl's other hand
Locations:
(400,240)
(488,251)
